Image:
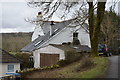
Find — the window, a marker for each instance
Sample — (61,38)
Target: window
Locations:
(75,35)
(10,68)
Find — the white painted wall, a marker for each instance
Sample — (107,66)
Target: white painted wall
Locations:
(36,58)
(47,50)
(66,35)
(37,31)
(84,38)
(4,68)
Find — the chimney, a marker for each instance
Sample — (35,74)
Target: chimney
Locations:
(51,28)
(39,16)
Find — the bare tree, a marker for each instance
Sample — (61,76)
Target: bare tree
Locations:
(109,30)
(49,8)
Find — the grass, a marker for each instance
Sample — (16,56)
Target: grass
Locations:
(99,69)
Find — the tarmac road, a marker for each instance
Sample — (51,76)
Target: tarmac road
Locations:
(113,70)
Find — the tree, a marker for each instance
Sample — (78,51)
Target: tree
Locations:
(94,28)
(49,8)
(109,30)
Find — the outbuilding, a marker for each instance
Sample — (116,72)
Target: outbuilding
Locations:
(52,53)
(8,63)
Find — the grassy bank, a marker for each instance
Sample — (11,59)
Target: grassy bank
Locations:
(99,70)
(69,71)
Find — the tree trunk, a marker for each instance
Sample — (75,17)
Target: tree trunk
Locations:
(91,24)
(95,29)
(100,15)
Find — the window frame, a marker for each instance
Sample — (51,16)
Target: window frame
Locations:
(10,66)
(75,35)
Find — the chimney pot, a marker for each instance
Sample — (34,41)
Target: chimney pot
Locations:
(52,23)
(39,13)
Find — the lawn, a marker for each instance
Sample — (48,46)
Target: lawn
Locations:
(69,71)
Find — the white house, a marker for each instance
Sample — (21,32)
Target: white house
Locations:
(8,63)
(52,53)
(57,33)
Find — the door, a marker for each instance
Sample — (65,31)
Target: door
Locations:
(48,59)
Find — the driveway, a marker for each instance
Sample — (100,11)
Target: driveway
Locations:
(114,71)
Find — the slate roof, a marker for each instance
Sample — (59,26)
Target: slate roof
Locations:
(64,47)
(61,25)
(41,39)
(5,57)
(77,48)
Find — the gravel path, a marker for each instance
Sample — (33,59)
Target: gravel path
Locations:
(114,71)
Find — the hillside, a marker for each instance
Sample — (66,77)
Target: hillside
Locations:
(80,70)
(14,41)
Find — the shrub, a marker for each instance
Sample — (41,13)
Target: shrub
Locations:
(62,63)
(72,56)
(76,42)
(25,60)
(39,69)
(85,64)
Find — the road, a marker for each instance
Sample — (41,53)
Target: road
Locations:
(114,71)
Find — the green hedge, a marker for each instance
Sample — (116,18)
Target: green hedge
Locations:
(70,56)
(29,70)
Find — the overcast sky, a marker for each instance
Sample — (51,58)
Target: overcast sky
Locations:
(12,15)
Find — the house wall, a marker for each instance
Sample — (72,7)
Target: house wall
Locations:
(37,31)
(4,68)
(36,58)
(46,50)
(84,38)
(66,35)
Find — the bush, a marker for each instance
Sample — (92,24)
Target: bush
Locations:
(85,64)
(62,63)
(72,56)
(25,60)
(76,42)
(29,70)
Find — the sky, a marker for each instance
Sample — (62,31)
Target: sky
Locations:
(13,14)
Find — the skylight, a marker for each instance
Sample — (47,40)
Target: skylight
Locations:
(56,29)
(38,42)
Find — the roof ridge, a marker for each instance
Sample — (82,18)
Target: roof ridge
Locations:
(60,21)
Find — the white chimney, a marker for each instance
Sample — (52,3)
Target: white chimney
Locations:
(39,16)
(51,28)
